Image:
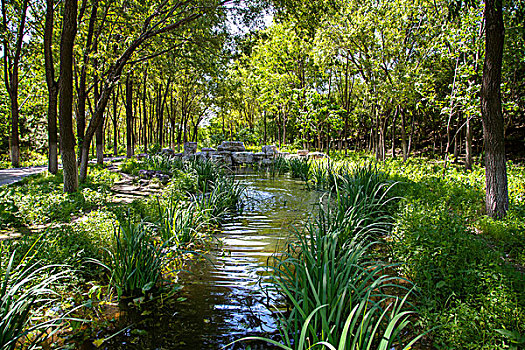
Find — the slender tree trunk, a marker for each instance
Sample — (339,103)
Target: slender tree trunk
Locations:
(52,88)
(468,146)
(497,200)
(11,58)
(145,116)
(129,117)
(67,138)
(394,133)
(99,135)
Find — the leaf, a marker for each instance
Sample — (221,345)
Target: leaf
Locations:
(147,287)
(98,342)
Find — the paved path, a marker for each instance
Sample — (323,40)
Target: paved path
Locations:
(9,176)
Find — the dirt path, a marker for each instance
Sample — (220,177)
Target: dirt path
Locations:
(9,176)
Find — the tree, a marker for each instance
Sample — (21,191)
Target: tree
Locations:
(52,88)
(165,18)
(13,32)
(497,197)
(67,138)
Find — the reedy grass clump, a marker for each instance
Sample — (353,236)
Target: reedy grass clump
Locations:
(207,172)
(181,221)
(26,291)
(339,295)
(300,168)
(136,260)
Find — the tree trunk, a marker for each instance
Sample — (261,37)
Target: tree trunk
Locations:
(497,200)
(468,146)
(52,88)
(99,135)
(67,138)
(11,79)
(129,117)
(14,139)
(145,114)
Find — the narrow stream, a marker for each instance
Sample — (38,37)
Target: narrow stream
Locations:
(222,302)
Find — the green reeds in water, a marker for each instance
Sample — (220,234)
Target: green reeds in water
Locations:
(136,260)
(339,295)
(26,291)
(207,172)
(300,168)
(223,199)
(181,221)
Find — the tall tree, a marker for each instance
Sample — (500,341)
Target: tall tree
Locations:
(497,198)
(52,89)
(67,138)
(166,18)
(13,32)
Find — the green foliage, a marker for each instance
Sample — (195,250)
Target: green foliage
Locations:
(181,222)
(339,293)
(40,199)
(460,277)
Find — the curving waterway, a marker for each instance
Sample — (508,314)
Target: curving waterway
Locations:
(222,299)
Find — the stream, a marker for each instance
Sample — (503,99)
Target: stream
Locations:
(222,299)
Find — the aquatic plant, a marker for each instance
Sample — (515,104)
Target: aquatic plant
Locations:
(135,262)
(206,170)
(300,168)
(181,221)
(222,199)
(26,291)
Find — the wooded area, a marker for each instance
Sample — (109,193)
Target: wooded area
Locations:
(357,166)
(393,77)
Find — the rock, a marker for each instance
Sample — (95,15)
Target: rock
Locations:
(167,151)
(270,150)
(302,152)
(317,155)
(222,157)
(267,161)
(257,157)
(190,148)
(242,157)
(231,146)
(207,152)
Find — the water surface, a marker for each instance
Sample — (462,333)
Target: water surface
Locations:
(223,300)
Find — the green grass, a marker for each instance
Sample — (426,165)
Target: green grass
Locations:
(39,199)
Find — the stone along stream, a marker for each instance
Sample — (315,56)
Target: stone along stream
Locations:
(222,300)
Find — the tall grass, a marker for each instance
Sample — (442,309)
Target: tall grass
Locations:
(136,260)
(223,199)
(207,172)
(26,291)
(181,221)
(339,295)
